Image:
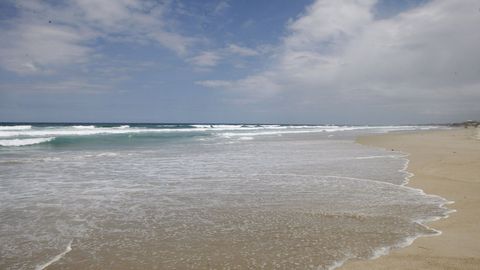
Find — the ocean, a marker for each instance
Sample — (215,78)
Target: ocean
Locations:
(185,196)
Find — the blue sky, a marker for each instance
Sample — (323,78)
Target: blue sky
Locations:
(353,62)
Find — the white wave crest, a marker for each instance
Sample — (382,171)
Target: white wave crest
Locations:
(23,142)
(18,127)
(220,127)
(230,130)
(372,157)
(84,127)
(107,154)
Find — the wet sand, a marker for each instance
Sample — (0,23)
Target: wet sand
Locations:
(445,163)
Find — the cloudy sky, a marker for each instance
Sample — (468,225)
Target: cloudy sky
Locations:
(262,61)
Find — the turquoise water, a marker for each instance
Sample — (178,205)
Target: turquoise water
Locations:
(202,197)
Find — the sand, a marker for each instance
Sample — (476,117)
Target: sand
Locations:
(445,163)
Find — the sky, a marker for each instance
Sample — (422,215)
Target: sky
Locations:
(243,61)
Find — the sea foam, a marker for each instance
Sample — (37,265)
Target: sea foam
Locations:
(23,142)
(18,127)
(84,127)
(306,199)
(56,258)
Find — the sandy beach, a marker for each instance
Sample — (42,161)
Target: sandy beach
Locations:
(445,163)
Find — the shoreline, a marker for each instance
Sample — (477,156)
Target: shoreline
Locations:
(444,163)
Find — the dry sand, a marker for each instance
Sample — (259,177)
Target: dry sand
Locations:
(446,163)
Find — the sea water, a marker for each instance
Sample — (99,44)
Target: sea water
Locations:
(203,197)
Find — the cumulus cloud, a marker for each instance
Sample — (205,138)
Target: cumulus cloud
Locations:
(420,62)
(47,35)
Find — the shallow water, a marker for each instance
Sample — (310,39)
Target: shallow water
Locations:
(202,197)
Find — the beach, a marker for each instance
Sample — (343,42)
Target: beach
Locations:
(181,196)
(444,163)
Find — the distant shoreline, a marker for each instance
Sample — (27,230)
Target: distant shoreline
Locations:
(444,163)
(218,123)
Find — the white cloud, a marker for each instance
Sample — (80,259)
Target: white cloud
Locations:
(206,59)
(337,54)
(328,22)
(215,83)
(243,51)
(230,53)
(61,86)
(221,6)
(33,48)
(45,36)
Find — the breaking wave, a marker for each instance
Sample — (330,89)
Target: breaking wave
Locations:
(18,127)
(19,135)
(23,142)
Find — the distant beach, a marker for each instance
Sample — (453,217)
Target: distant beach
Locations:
(446,163)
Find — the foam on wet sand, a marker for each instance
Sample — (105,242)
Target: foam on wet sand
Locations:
(446,163)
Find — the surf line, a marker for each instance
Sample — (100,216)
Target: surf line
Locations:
(56,258)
